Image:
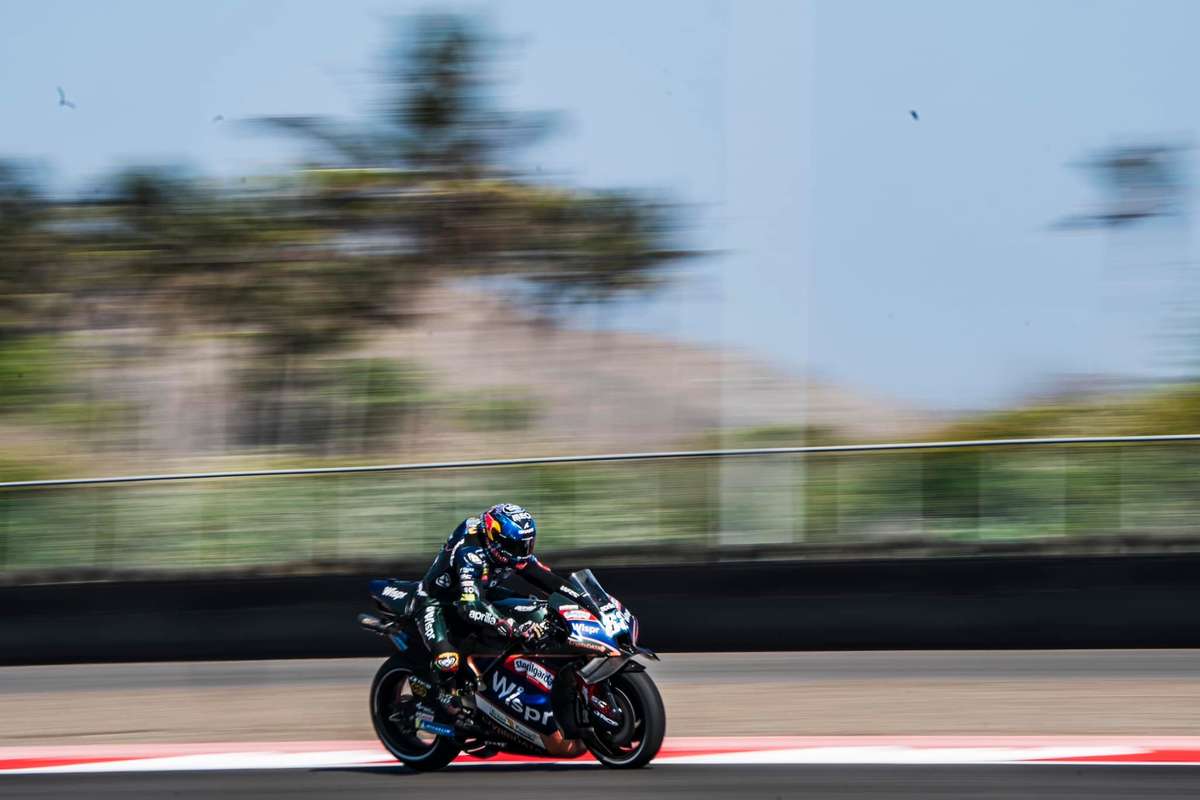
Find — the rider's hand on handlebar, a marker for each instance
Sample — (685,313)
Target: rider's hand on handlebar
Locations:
(531,631)
(508,627)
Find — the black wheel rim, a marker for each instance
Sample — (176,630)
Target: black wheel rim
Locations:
(625,743)
(394,705)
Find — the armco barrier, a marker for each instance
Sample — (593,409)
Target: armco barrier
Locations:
(1009,602)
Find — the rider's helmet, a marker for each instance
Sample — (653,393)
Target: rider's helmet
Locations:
(508,534)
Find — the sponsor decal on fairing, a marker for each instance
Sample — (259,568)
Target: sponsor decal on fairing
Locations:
(585,629)
(536,673)
(508,723)
(509,692)
(482,616)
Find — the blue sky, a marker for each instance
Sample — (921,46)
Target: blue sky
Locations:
(914,259)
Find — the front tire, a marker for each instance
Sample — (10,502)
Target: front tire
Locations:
(392,702)
(641,736)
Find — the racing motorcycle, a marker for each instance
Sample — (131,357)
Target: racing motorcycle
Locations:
(578,689)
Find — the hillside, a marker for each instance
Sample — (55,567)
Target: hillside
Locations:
(600,390)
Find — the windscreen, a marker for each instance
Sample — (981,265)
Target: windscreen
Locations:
(615,619)
(586,584)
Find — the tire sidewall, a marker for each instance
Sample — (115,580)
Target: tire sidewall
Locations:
(437,756)
(639,685)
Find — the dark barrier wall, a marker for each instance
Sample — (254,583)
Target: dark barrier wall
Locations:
(1034,602)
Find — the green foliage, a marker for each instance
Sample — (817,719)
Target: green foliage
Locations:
(31,292)
(1161,411)
(780,436)
(1174,410)
(348,402)
(31,372)
(383,383)
(383,391)
(495,410)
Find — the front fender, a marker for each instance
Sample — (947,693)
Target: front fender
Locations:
(602,668)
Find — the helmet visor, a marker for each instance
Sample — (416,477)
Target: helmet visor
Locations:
(515,548)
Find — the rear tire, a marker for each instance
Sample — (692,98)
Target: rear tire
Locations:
(391,695)
(636,747)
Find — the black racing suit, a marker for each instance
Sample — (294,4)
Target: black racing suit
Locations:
(460,581)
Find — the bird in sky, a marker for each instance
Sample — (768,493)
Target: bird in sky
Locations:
(62,99)
(914,115)
(218,118)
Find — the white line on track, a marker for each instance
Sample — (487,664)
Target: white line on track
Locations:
(1082,750)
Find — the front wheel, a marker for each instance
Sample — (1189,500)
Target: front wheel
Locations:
(393,713)
(644,723)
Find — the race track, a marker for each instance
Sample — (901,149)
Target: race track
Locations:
(596,783)
(869,707)
(1153,692)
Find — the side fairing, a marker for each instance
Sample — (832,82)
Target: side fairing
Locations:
(519,689)
(589,633)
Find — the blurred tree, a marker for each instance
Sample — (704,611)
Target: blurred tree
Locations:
(272,273)
(30,290)
(437,116)
(432,174)
(298,266)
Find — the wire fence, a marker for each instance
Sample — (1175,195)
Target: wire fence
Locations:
(787,500)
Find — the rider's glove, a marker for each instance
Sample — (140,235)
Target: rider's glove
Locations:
(532,631)
(507,627)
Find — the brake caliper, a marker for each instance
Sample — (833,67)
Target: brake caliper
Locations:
(602,706)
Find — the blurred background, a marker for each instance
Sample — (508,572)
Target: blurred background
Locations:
(276,235)
(280,235)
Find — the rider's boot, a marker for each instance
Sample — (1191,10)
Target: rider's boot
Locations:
(449,689)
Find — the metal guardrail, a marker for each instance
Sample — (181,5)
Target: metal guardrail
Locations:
(602,457)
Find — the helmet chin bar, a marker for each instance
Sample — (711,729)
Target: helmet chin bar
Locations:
(501,556)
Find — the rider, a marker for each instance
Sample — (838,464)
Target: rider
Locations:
(482,553)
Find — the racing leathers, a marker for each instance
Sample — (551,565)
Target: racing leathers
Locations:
(461,580)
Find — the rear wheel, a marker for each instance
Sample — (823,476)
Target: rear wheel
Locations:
(643,724)
(393,713)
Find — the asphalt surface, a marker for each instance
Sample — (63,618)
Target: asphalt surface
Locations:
(1093,676)
(1117,692)
(690,667)
(521,782)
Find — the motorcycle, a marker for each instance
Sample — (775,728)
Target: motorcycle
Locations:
(577,689)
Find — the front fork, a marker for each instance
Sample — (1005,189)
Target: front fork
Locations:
(600,705)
